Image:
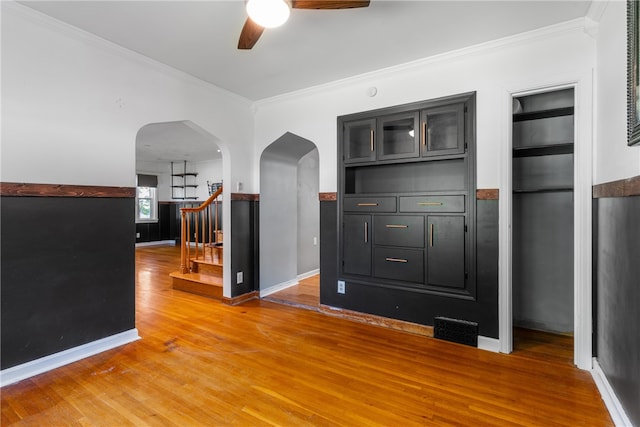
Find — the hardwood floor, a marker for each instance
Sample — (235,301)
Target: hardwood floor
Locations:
(203,363)
(306,294)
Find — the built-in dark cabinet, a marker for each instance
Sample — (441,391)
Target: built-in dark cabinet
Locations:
(398,136)
(357,244)
(446,251)
(407,197)
(442,130)
(359,141)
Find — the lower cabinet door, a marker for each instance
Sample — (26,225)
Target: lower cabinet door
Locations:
(356,245)
(405,265)
(446,251)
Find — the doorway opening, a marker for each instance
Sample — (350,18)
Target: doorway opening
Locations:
(290,222)
(543,134)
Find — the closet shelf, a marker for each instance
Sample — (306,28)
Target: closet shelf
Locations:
(543,114)
(543,190)
(543,150)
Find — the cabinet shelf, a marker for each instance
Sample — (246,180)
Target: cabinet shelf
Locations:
(543,114)
(543,150)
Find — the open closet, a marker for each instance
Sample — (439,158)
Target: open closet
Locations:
(542,214)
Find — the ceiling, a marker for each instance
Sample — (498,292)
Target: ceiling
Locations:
(312,48)
(175,141)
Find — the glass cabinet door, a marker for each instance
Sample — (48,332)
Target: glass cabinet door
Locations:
(359,141)
(398,136)
(442,130)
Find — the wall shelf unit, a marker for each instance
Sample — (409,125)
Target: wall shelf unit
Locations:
(183,183)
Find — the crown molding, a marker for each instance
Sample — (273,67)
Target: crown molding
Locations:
(83,36)
(576,26)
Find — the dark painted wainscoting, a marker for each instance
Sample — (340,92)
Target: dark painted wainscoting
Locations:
(617,288)
(245,216)
(68,267)
(411,306)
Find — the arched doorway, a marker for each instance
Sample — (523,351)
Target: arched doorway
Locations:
(289,213)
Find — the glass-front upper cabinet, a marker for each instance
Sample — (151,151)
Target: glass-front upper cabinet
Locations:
(398,136)
(359,141)
(442,130)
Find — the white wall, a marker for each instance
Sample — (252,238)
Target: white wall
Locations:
(73,103)
(308,214)
(209,170)
(614,160)
(562,53)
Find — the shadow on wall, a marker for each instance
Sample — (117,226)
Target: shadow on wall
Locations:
(289,212)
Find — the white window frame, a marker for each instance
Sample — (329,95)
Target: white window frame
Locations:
(153,202)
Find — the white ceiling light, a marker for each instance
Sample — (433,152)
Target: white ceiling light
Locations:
(268,13)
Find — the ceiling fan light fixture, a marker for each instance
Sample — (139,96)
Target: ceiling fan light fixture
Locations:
(268,13)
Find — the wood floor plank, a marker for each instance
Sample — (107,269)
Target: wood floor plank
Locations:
(204,363)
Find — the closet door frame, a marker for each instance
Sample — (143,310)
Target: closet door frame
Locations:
(582,215)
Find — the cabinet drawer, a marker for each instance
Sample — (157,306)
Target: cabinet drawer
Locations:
(398,230)
(432,204)
(370,204)
(406,265)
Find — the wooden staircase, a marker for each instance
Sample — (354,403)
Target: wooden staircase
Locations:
(204,278)
(200,260)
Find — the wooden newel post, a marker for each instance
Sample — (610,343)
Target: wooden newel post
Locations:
(183,242)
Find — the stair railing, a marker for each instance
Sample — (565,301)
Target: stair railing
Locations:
(206,233)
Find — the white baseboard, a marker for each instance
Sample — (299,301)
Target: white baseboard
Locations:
(488,344)
(47,363)
(278,287)
(308,274)
(156,243)
(618,415)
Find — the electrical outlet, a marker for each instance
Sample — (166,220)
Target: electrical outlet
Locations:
(137,235)
(341,287)
(239,277)
(315,241)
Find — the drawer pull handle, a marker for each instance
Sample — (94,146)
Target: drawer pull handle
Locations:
(396,226)
(429,203)
(367,204)
(396,260)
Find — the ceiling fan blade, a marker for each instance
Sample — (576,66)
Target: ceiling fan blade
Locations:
(328,4)
(250,34)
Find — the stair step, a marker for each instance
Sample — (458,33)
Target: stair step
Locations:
(206,266)
(197,283)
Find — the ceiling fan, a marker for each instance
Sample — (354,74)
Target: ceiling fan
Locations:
(273,13)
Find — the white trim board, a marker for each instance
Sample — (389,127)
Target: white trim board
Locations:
(308,274)
(488,344)
(47,363)
(278,287)
(618,415)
